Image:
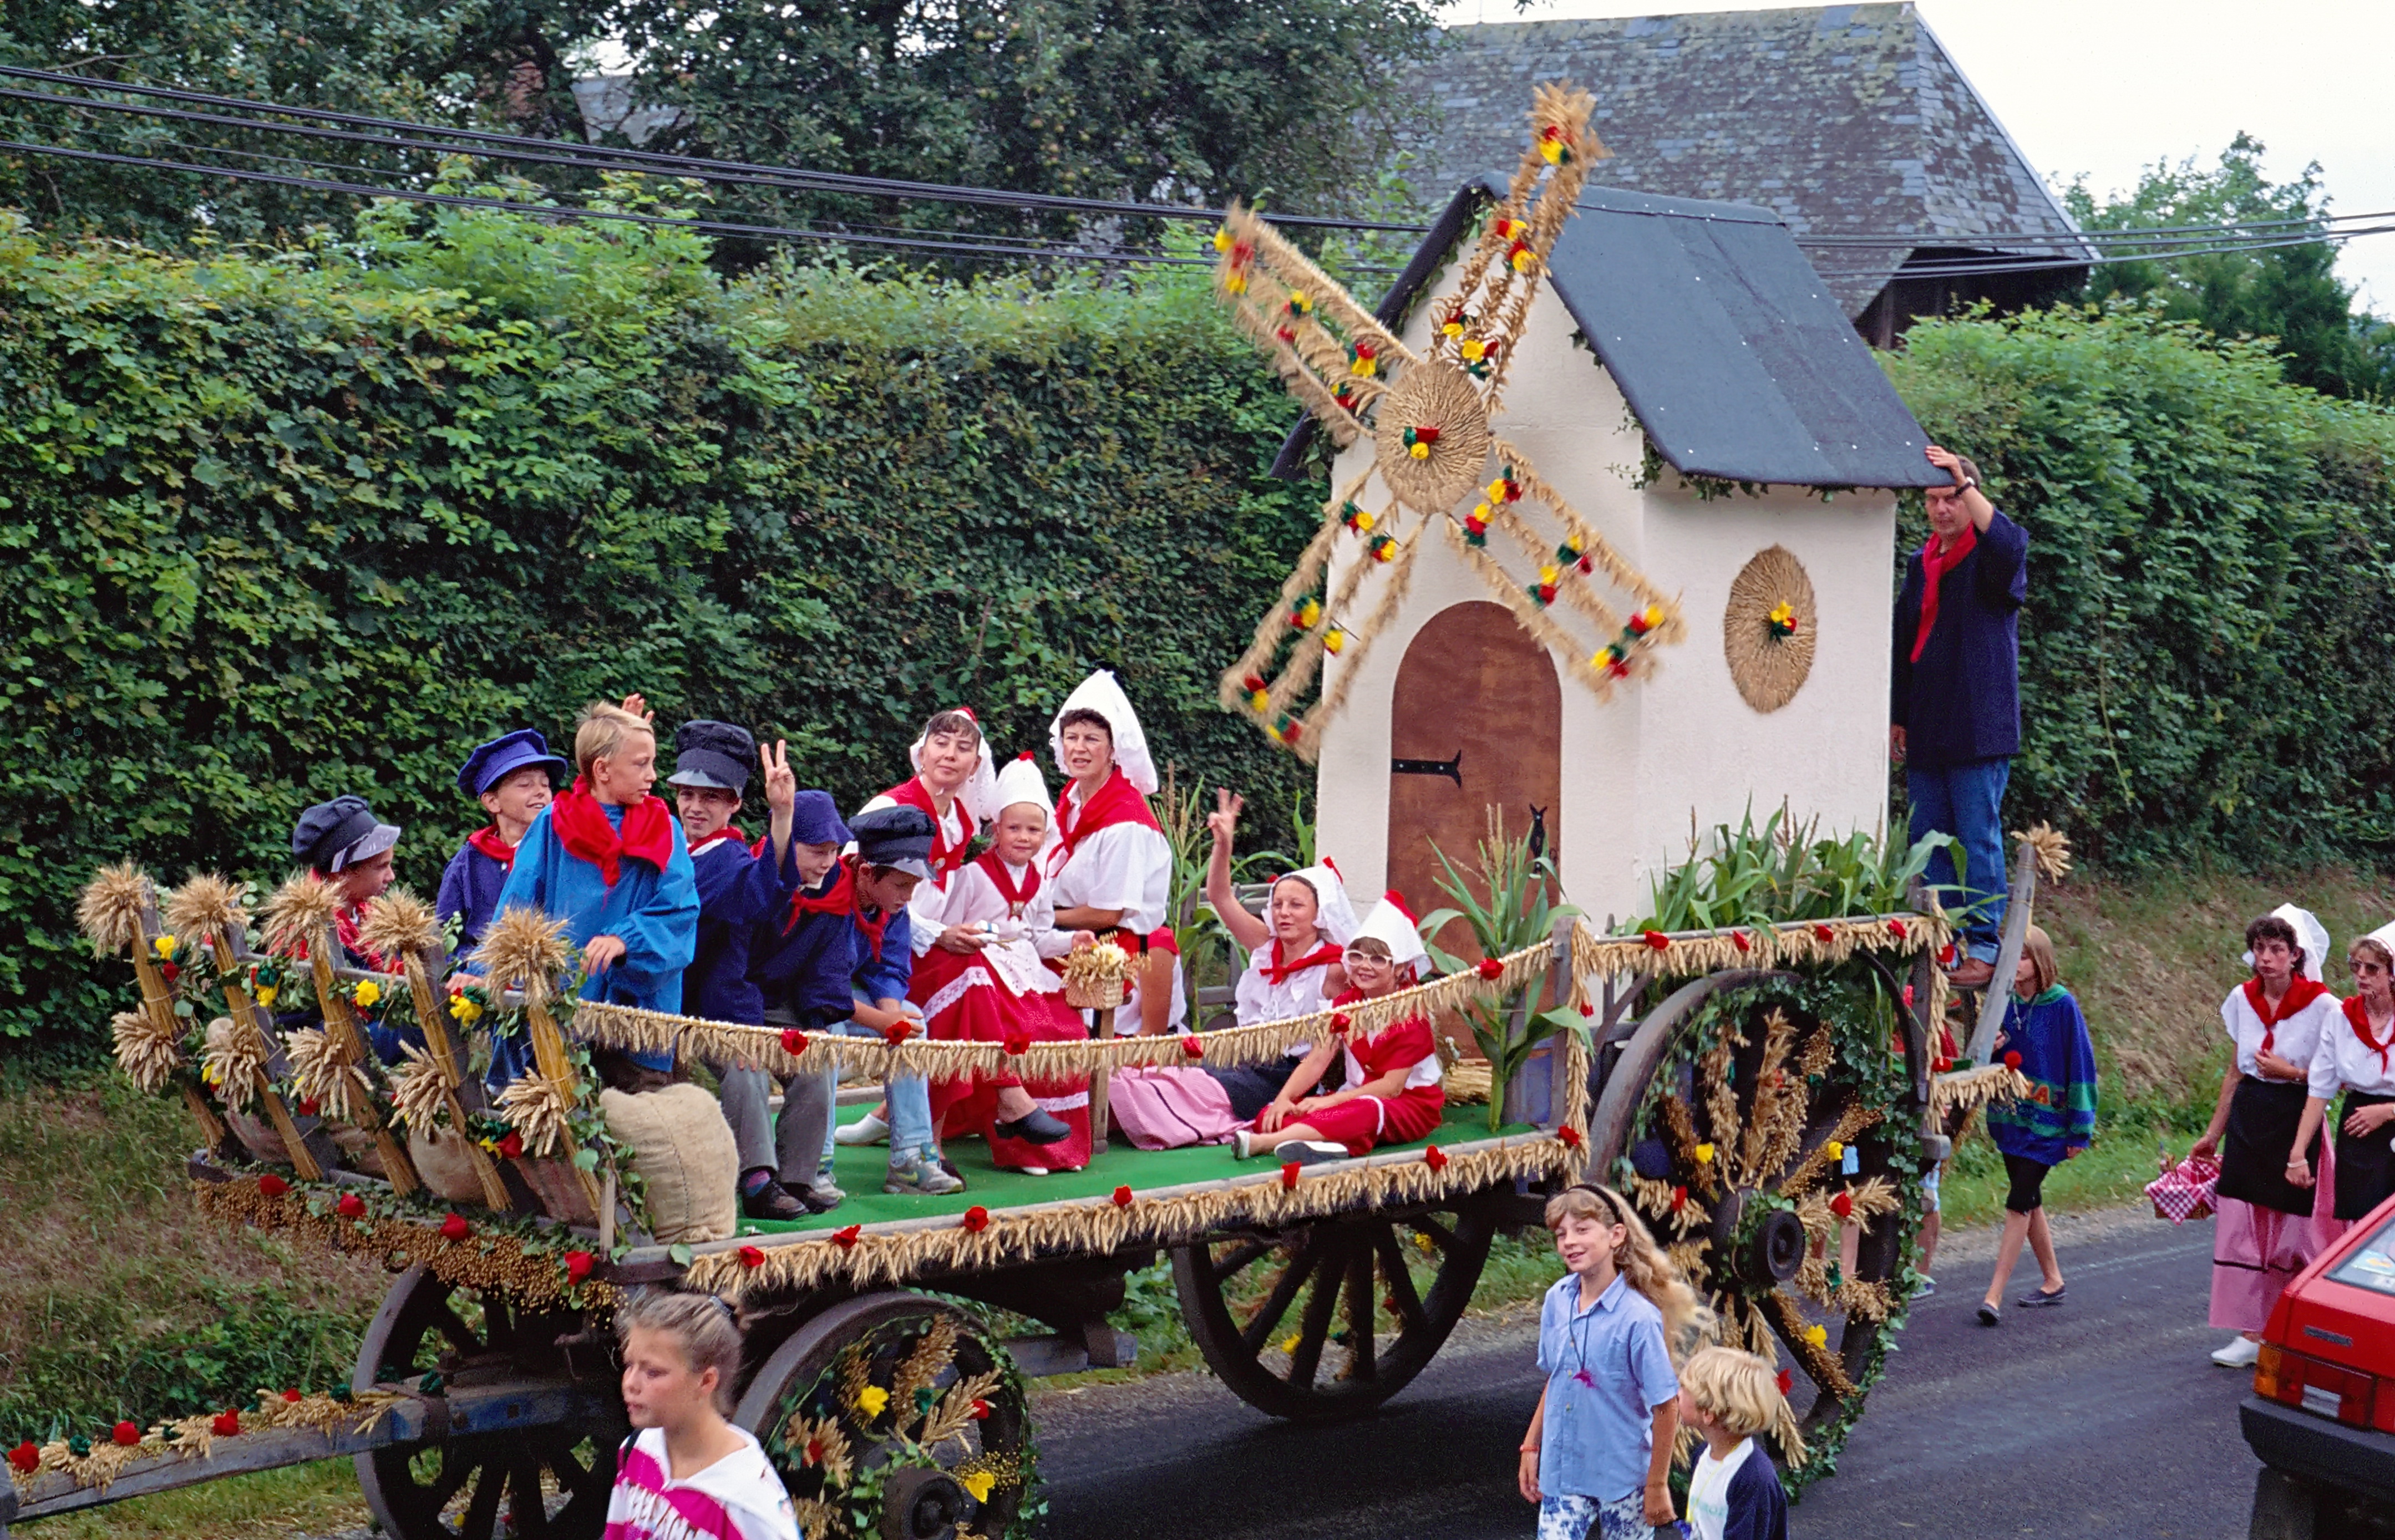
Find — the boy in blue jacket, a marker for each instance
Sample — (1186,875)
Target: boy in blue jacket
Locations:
(608,859)
(738,887)
(800,958)
(513,776)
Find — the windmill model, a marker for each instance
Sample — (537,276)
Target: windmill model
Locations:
(1436,457)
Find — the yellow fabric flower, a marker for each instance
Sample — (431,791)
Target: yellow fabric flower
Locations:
(1453,328)
(1472,348)
(1522,260)
(266,993)
(1236,284)
(1783,612)
(1260,699)
(1300,303)
(1836,1148)
(1553,149)
(1653,615)
(1493,491)
(979,1483)
(369,992)
(1289,1343)
(1362,367)
(1817,1336)
(1333,639)
(1364,522)
(1420,451)
(1603,659)
(1480,512)
(1222,239)
(1550,573)
(164,946)
(872,1400)
(465,1011)
(1704,1154)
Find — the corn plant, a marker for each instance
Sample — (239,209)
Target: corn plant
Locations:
(1781,870)
(1520,910)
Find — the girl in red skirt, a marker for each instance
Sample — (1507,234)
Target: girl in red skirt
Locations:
(1392,1093)
(985,981)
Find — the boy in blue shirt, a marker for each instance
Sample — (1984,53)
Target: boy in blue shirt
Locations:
(800,961)
(513,776)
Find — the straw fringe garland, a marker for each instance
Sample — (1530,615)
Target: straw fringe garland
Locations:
(194,1438)
(1967,1090)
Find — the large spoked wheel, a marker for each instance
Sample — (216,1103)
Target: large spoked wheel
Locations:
(896,1417)
(1765,1128)
(1330,1319)
(545,1481)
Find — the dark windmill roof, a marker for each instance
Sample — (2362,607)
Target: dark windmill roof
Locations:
(1843,120)
(1724,341)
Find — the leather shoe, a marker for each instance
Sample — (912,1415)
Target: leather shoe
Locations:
(1971,973)
(772,1201)
(1035,1127)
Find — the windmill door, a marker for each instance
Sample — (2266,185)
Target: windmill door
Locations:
(1476,725)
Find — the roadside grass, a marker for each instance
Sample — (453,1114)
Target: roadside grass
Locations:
(302,1499)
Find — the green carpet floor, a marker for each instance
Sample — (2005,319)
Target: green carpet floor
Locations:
(860,1169)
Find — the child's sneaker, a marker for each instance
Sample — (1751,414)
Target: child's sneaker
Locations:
(872,1128)
(923,1177)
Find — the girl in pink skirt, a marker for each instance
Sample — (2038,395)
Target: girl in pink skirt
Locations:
(1392,1093)
(2269,1229)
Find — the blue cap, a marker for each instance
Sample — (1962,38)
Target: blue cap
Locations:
(815,820)
(493,761)
(897,837)
(715,754)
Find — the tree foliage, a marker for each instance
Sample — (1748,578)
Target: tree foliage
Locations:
(2210,587)
(2290,294)
(287,526)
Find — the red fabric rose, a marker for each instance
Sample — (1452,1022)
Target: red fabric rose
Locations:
(2013,1059)
(351,1206)
(980,1409)
(1787,1380)
(1842,1205)
(1825,933)
(25,1457)
(1191,1047)
(272,1186)
(1122,1197)
(794,1042)
(1289,1177)
(455,1227)
(976,1218)
(753,1256)
(1738,938)
(1679,1199)
(899,1031)
(578,1266)
(291,1396)
(1570,1135)
(846,1236)
(511,1144)
(1490,968)
(1018,1046)
(225,1425)
(126,1434)
(1655,939)
(1436,1158)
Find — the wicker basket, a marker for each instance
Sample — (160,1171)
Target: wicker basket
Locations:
(1094,995)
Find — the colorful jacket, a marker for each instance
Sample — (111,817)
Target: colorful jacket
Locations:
(2057,1118)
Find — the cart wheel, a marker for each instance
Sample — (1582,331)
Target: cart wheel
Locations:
(1405,1275)
(1756,1222)
(895,1416)
(551,1482)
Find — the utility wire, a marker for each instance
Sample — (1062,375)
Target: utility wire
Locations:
(1974,269)
(818,181)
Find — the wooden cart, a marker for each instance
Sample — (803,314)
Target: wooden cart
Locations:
(1735,1108)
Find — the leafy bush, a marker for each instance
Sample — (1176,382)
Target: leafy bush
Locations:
(289,524)
(2211,552)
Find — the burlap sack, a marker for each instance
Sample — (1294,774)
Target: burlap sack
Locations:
(684,1150)
(440,1157)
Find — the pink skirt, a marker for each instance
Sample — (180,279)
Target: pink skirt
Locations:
(1371,1120)
(2256,1252)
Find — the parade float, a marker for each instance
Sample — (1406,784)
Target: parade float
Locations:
(1753,1061)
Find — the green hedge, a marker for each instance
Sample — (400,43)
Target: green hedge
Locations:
(2211,620)
(285,525)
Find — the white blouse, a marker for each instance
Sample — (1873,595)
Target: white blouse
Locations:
(2344,1059)
(1123,867)
(1018,941)
(2296,1039)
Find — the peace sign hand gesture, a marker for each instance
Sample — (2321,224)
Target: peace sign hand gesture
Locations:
(1224,822)
(639,707)
(781,782)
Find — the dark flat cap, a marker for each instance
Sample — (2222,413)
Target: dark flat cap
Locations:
(713,754)
(899,838)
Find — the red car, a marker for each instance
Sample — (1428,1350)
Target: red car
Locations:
(2322,1416)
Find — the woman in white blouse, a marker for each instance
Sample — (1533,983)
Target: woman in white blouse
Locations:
(2357,1054)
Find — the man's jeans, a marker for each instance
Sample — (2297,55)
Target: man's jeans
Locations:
(1966,801)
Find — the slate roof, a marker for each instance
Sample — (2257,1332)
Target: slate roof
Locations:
(1726,345)
(1841,119)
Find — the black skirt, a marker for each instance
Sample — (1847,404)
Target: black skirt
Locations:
(2263,1116)
(2366,1167)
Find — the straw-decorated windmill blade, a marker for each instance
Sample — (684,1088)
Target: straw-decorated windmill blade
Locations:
(1428,418)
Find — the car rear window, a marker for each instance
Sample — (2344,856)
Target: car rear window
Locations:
(2371,1265)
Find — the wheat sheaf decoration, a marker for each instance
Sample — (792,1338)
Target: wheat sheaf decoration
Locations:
(109,911)
(1767,628)
(297,911)
(1436,458)
(524,949)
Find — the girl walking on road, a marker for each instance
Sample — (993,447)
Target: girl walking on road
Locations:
(2267,1229)
(2354,1054)
(1598,1453)
(2045,1038)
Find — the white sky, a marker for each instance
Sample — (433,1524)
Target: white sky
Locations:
(2108,86)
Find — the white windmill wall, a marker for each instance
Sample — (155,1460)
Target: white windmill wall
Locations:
(1683,741)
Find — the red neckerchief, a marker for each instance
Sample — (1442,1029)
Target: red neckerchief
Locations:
(1018,899)
(2301,992)
(730,831)
(944,858)
(1276,972)
(1118,802)
(2359,1015)
(346,923)
(583,828)
(494,845)
(1935,563)
(840,898)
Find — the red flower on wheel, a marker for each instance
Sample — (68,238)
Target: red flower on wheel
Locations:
(578,1266)
(351,1206)
(272,1186)
(455,1227)
(1842,1206)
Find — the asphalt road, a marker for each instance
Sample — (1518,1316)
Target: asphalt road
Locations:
(2103,1418)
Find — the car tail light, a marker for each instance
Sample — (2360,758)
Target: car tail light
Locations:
(2326,1389)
